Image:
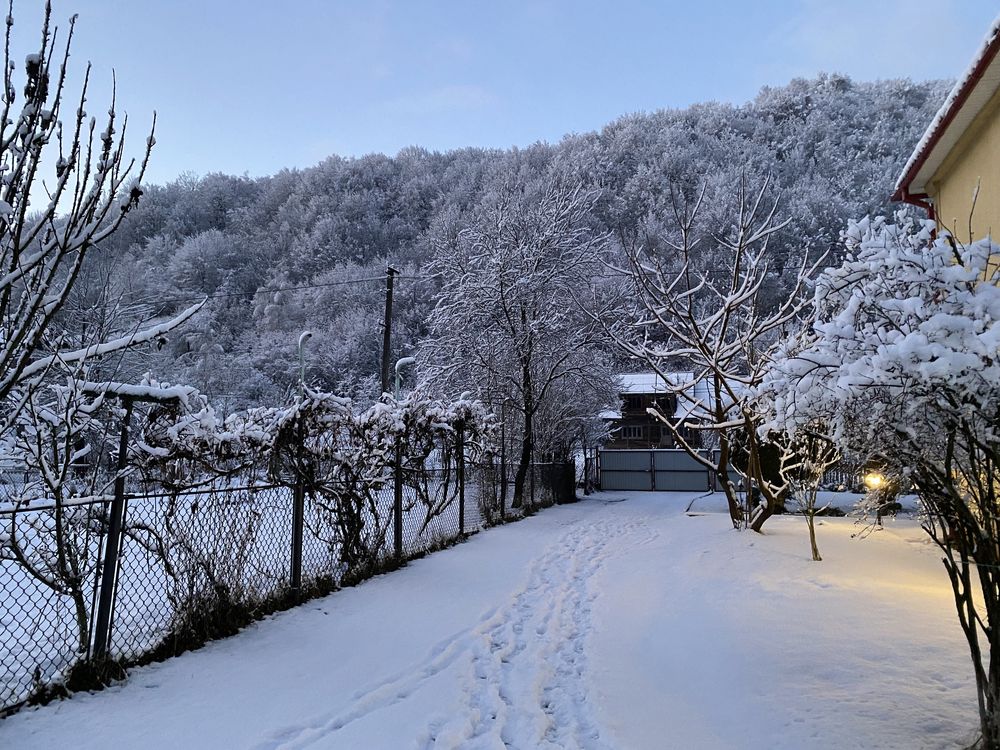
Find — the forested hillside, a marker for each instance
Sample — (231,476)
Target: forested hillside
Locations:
(307,249)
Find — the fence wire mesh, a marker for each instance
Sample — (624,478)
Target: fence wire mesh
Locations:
(199,564)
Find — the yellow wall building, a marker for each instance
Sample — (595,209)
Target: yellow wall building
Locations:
(954,172)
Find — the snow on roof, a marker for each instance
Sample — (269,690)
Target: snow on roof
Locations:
(693,402)
(635,383)
(973,90)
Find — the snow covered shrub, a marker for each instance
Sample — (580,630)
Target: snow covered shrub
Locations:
(343,459)
(57,440)
(184,442)
(435,441)
(901,364)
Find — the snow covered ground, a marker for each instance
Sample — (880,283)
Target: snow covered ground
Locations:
(618,622)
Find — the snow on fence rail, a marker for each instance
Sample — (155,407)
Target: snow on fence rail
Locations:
(199,564)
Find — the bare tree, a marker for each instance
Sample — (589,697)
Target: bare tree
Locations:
(506,327)
(695,298)
(43,247)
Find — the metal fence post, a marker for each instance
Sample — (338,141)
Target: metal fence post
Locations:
(503,472)
(397,502)
(109,572)
(298,525)
(531,479)
(461,480)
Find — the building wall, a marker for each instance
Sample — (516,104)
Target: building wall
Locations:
(975,158)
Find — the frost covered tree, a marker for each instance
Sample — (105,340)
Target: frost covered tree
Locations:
(49,224)
(66,185)
(694,300)
(833,145)
(899,364)
(506,327)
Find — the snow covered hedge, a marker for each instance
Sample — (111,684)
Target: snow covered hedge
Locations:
(319,438)
(901,365)
(903,341)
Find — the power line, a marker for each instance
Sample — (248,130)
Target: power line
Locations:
(290,288)
(272,290)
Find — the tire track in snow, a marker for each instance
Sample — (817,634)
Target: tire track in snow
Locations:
(525,661)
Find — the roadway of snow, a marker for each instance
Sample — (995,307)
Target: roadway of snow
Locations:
(617,622)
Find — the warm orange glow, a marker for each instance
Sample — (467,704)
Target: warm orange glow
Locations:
(873,480)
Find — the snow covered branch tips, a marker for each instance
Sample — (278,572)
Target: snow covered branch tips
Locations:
(701,292)
(901,364)
(65,186)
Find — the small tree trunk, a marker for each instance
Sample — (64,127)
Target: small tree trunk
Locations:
(722,473)
(990,719)
(523,464)
(760,514)
(527,436)
(811,522)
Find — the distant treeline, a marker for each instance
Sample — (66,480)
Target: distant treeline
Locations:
(834,147)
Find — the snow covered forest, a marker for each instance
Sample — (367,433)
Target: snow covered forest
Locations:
(200,427)
(307,249)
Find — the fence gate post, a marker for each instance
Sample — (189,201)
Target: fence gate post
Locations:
(397,502)
(461,480)
(298,524)
(109,571)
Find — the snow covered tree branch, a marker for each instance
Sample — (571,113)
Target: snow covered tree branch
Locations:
(506,327)
(94,187)
(899,364)
(695,299)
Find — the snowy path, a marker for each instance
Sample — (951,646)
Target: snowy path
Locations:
(597,626)
(522,665)
(525,678)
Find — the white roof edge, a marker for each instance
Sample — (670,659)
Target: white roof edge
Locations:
(942,144)
(638,383)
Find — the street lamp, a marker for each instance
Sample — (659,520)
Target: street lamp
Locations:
(400,364)
(874,481)
(303,338)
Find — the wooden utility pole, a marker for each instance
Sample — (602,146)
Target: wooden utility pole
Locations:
(390,272)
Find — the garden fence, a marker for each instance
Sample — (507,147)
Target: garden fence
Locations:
(148,573)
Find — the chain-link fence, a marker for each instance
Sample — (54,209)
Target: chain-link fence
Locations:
(149,573)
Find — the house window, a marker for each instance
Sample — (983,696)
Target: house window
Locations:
(665,404)
(632,432)
(633,403)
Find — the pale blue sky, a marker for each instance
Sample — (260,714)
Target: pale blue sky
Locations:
(251,87)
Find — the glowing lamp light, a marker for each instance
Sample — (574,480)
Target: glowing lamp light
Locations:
(873,480)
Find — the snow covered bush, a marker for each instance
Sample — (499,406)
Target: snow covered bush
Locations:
(901,365)
(342,458)
(54,537)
